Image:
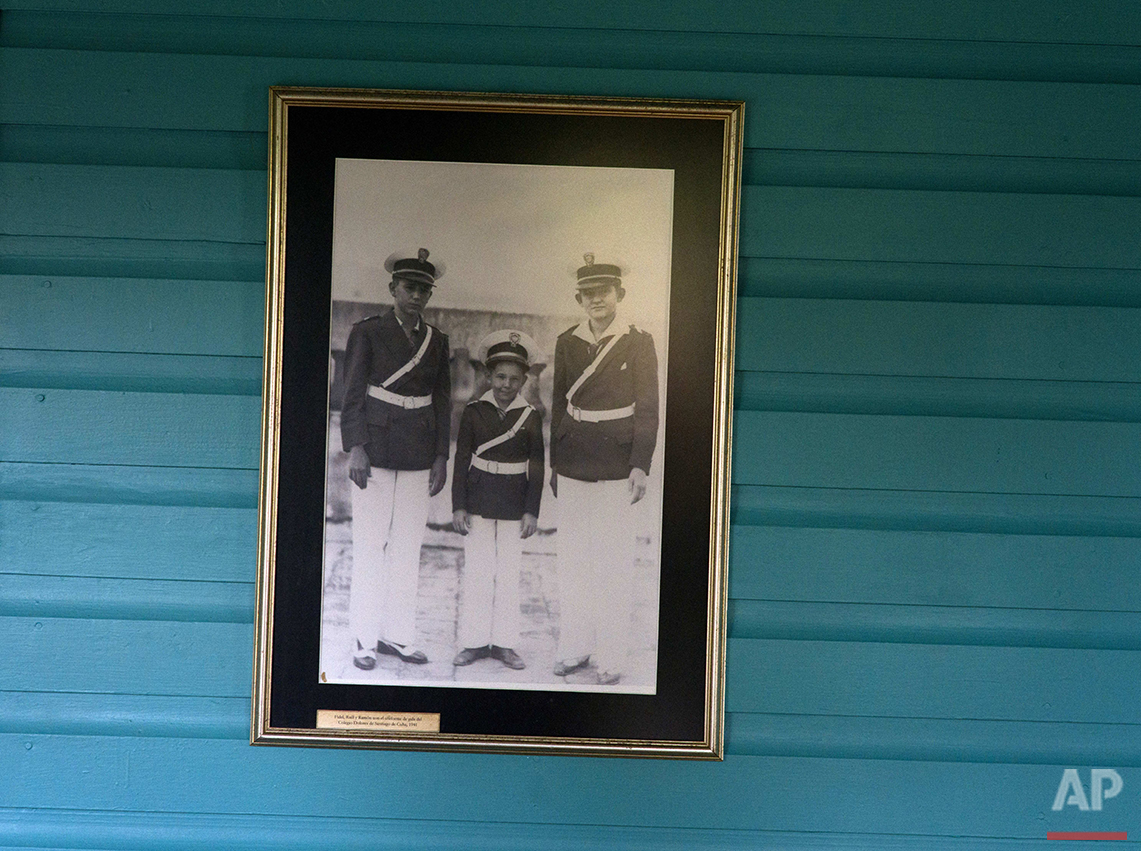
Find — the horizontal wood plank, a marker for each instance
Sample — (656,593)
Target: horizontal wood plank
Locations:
(129,542)
(67,483)
(950,454)
(756,734)
(996,341)
(982,283)
(134,146)
(96,598)
(939,624)
(74,714)
(54,257)
(115,539)
(957,569)
(530,43)
(1065,21)
(787,111)
(176,317)
(940,227)
(767,563)
(795,222)
(84,257)
(782,793)
(131,146)
(784,676)
(160,429)
(39,595)
(174,658)
(966,455)
(940,172)
(966,740)
(149,373)
(936,511)
(933,681)
(937,397)
(135,203)
(73,829)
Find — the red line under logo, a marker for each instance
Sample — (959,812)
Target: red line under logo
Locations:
(1087,835)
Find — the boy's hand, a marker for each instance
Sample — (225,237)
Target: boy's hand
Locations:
(461,521)
(528,525)
(437,476)
(637,484)
(358,466)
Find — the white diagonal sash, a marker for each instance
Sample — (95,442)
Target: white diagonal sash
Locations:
(594,364)
(416,358)
(507,435)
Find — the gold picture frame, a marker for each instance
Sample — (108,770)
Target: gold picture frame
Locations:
(515,193)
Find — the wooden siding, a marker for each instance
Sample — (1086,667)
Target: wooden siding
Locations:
(935,603)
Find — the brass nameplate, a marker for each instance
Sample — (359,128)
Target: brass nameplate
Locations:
(388,722)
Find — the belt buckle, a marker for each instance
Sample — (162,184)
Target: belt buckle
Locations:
(576,413)
(493,467)
(406,402)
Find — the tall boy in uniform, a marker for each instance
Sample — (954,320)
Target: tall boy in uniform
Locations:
(395,425)
(496,490)
(604,427)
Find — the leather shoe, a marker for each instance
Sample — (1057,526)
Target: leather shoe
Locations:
(567,665)
(471,654)
(606,678)
(405,652)
(508,657)
(364,659)
(365,663)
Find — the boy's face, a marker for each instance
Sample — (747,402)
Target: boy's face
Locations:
(601,302)
(410,297)
(506,379)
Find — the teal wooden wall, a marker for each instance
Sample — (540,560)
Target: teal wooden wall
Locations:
(935,604)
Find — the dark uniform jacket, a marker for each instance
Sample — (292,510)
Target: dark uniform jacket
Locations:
(498,496)
(628,374)
(396,438)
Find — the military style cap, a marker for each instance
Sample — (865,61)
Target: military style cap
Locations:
(507,345)
(597,274)
(416,268)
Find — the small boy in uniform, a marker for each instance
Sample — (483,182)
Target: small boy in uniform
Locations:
(496,490)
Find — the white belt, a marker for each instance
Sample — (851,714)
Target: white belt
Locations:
(503,468)
(398,400)
(582,415)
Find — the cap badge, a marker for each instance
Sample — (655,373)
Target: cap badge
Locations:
(589,258)
(422,254)
(514,338)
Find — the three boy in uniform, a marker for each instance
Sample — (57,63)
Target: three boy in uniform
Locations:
(395,424)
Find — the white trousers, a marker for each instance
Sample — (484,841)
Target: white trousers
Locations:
(389,519)
(596,571)
(489,591)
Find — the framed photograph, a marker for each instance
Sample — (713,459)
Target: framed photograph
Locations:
(496,435)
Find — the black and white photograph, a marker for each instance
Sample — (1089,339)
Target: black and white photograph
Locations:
(496,427)
(493,508)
